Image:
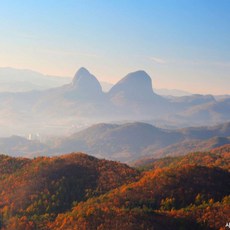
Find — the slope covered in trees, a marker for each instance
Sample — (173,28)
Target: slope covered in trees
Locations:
(217,157)
(77,191)
(148,203)
(185,195)
(39,189)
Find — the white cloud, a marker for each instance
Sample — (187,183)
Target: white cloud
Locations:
(203,63)
(158,60)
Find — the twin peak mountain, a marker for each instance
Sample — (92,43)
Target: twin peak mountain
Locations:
(134,86)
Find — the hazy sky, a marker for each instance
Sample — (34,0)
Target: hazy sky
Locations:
(182,44)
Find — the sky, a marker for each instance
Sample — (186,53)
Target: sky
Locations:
(181,44)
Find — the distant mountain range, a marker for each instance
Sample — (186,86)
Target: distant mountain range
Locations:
(181,149)
(21,80)
(172,92)
(131,141)
(77,191)
(126,142)
(82,102)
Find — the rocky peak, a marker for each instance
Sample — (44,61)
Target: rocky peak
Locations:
(136,85)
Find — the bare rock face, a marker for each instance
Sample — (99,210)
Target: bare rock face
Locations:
(134,86)
(85,84)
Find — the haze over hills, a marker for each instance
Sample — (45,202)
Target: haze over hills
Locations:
(20,146)
(123,142)
(57,185)
(22,80)
(80,103)
(131,141)
(115,115)
(172,92)
(181,149)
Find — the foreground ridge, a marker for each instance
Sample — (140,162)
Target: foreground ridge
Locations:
(78,191)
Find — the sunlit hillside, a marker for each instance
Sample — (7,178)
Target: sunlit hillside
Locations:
(77,191)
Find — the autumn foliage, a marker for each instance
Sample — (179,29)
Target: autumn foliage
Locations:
(77,191)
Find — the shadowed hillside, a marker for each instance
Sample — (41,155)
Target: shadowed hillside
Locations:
(131,141)
(128,142)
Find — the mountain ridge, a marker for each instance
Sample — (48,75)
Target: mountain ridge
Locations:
(126,142)
(79,191)
(83,102)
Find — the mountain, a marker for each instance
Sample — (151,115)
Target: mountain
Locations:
(78,191)
(19,146)
(130,141)
(172,92)
(56,110)
(85,84)
(222,130)
(187,195)
(45,186)
(133,96)
(187,146)
(22,80)
(118,142)
(193,100)
(201,109)
(213,110)
(126,142)
(80,103)
(134,86)
(215,157)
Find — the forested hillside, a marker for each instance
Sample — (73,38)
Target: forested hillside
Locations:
(77,191)
(39,189)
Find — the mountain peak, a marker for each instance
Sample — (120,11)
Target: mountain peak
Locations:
(137,84)
(86,83)
(82,75)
